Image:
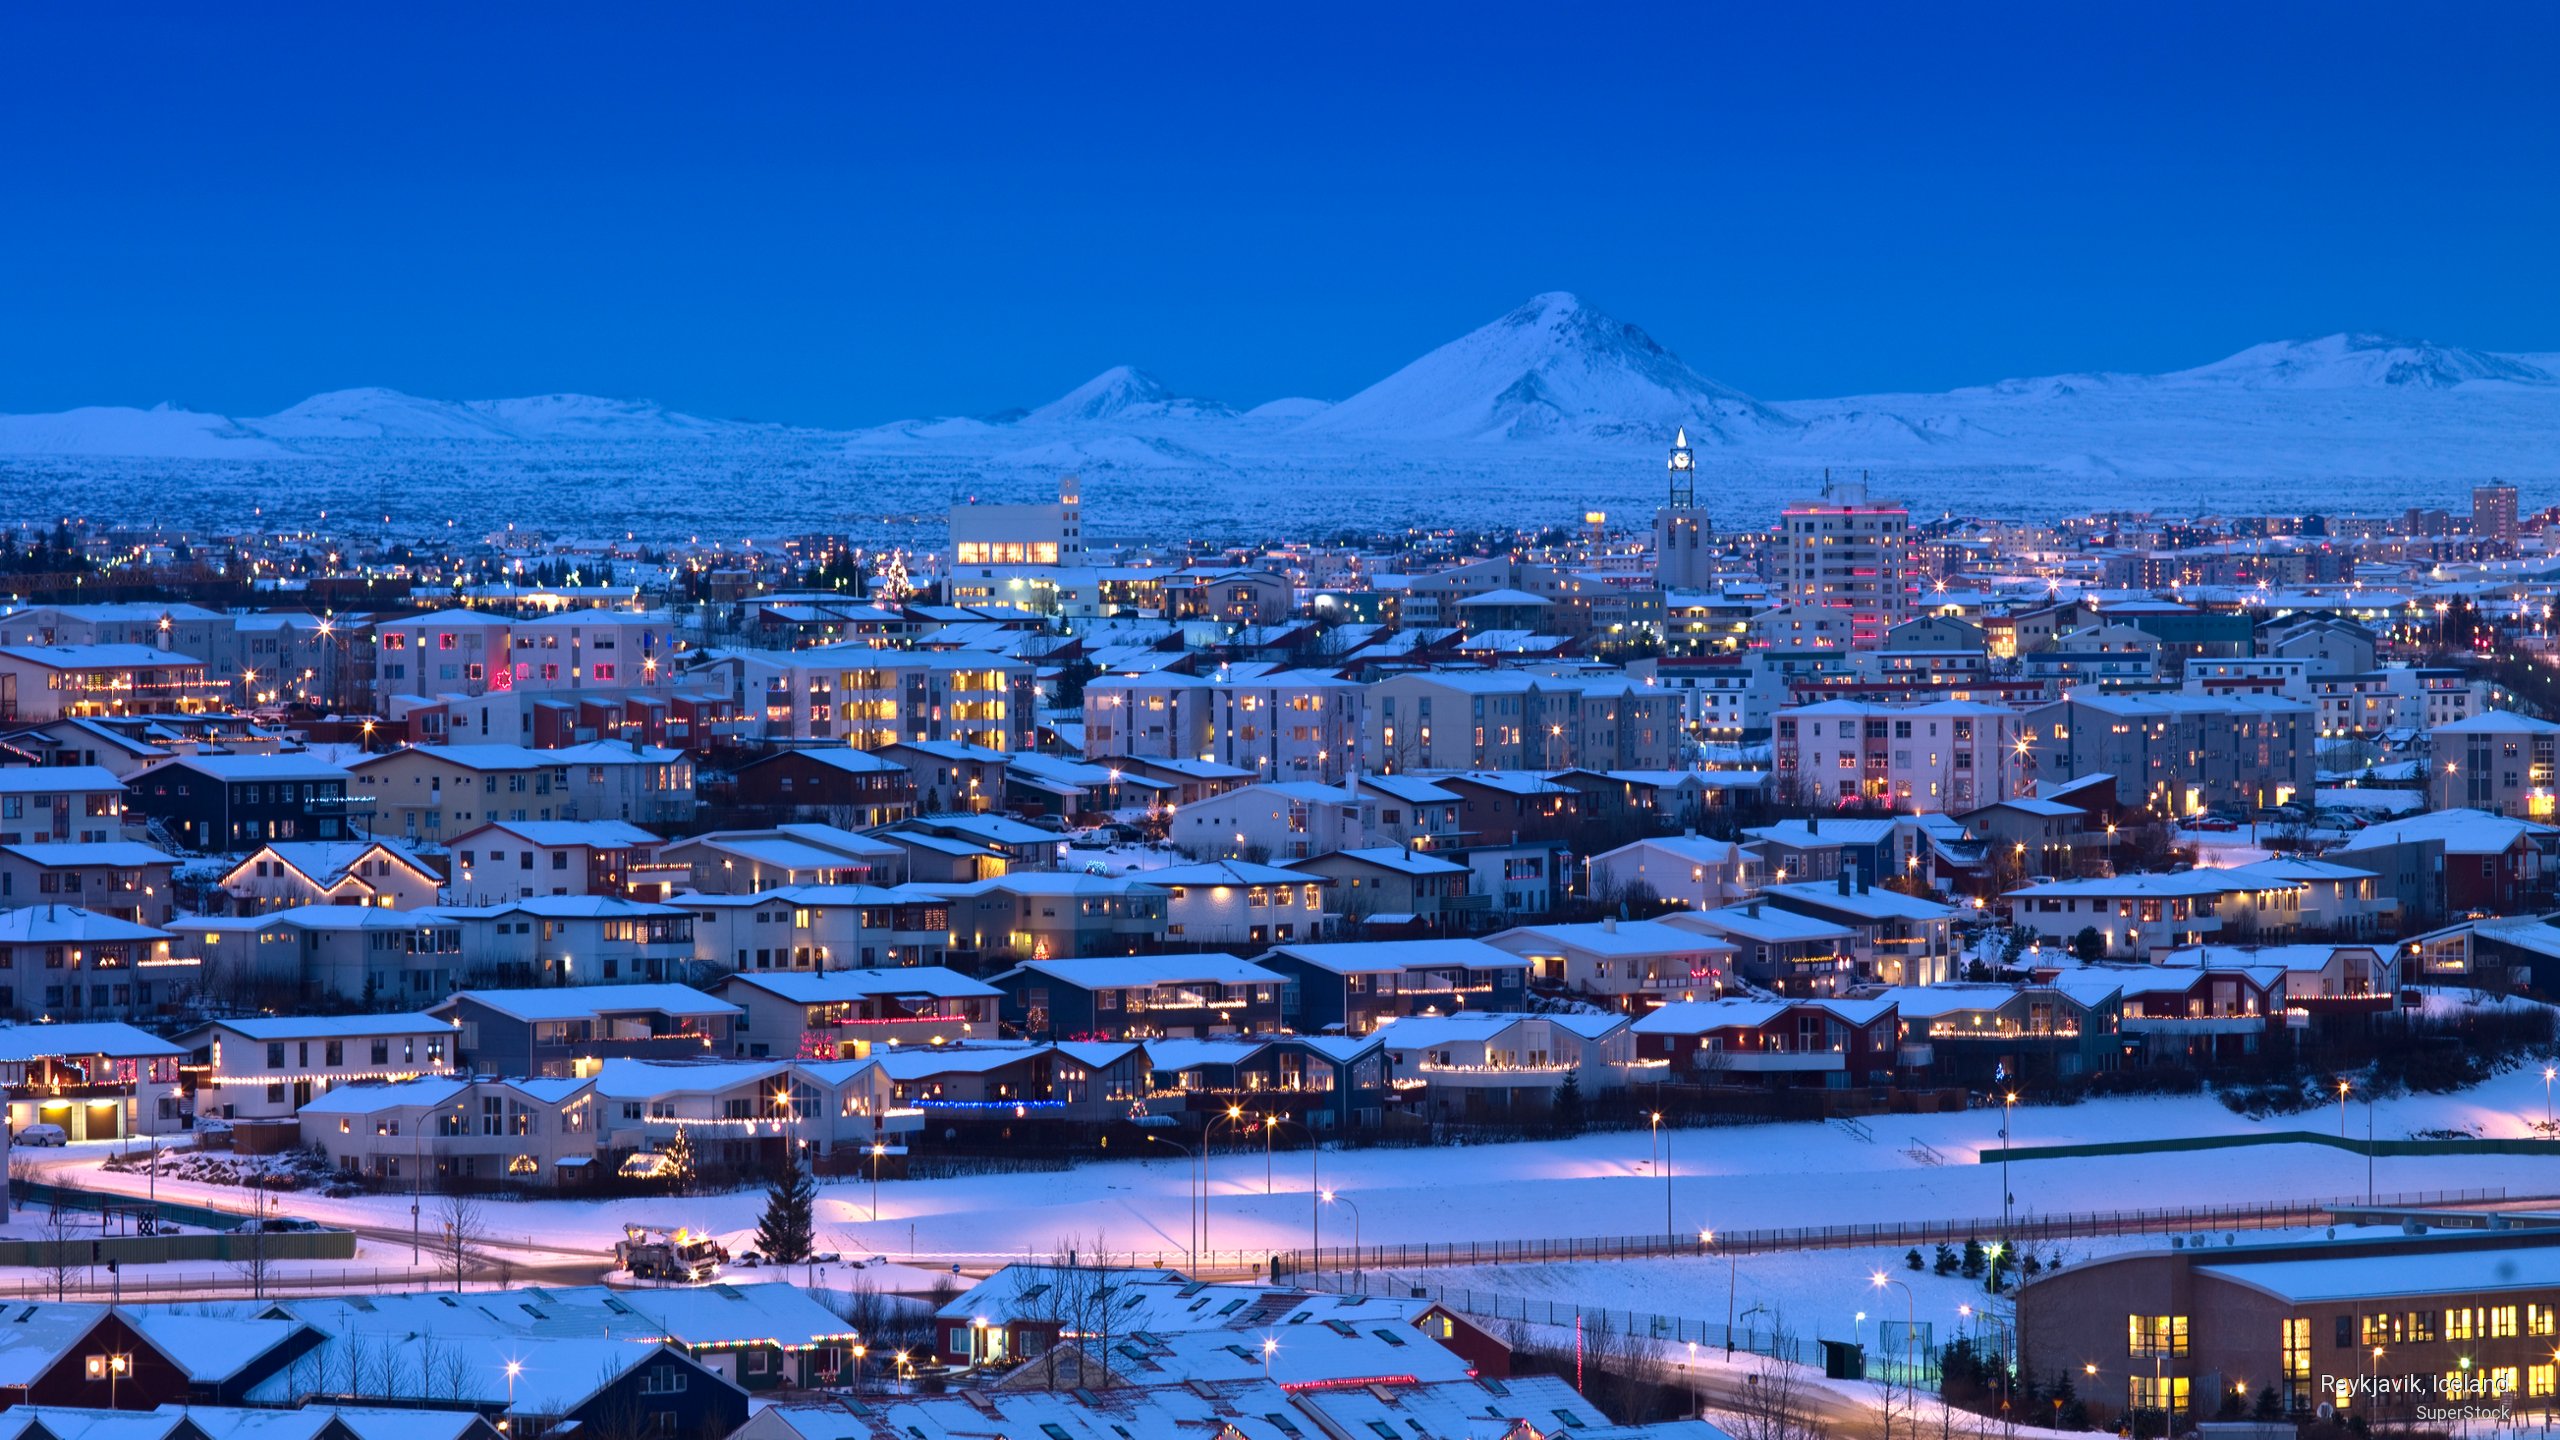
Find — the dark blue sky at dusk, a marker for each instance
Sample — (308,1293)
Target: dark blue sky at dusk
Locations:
(842,215)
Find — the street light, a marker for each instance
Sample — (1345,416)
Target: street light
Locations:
(514,1369)
(1331,1198)
(2008,1103)
(1315,1186)
(1661,1154)
(1270,1347)
(1910,1321)
(2342,1109)
(877,1150)
(2548,1071)
(1193,1193)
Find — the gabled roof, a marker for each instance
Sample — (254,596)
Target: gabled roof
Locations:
(578,1002)
(802,987)
(1378,957)
(2463,832)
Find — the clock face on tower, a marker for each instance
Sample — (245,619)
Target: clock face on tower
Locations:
(1680,460)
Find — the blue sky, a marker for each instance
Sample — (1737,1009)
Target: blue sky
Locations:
(845,214)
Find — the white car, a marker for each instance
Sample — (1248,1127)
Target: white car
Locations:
(41,1134)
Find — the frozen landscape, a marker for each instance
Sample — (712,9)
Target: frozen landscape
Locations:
(1547,411)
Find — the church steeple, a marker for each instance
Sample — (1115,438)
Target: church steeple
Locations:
(1684,475)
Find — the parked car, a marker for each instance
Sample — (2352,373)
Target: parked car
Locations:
(41,1134)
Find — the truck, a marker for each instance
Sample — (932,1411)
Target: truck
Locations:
(651,1252)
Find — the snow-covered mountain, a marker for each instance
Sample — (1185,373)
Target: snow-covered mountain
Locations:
(1552,370)
(1123,393)
(1552,405)
(374,413)
(159,433)
(2350,362)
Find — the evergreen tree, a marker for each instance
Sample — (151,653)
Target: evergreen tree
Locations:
(2270,1405)
(679,1153)
(2089,944)
(1946,1259)
(1972,1267)
(788,1231)
(1911,1259)
(1569,1115)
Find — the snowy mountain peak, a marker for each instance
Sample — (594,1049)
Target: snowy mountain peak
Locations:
(1123,392)
(2355,361)
(373,412)
(1552,368)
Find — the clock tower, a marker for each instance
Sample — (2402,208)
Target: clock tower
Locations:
(1682,559)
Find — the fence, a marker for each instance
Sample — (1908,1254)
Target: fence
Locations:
(2353,1145)
(233,1283)
(2272,1215)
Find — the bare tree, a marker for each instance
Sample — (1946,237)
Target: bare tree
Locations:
(465,1225)
(61,1232)
(1774,1402)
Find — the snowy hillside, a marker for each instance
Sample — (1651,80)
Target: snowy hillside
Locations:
(1123,393)
(159,433)
(1552,408)
(374,413)
(1554,369)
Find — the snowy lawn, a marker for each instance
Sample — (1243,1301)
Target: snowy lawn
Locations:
(1727,1178)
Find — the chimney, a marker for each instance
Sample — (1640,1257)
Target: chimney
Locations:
(1813,824)
(1608,924)
(1848,873)
(1865,882)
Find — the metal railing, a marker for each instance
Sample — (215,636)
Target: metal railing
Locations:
(1303,1266)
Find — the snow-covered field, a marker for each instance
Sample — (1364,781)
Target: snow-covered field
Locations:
(1732,1178)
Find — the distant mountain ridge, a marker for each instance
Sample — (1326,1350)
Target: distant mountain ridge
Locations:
(1552,376)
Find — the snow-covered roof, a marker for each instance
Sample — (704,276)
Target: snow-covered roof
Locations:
(1734,1012)
(1623,937)
(2463,832)
(578,1002)
(803,987)
(56,779)
(332,1027)
(1407,1032)
(1391,857)
(1378,957)
(1764,923)
(1127,971)
(90,1037)
(54,924)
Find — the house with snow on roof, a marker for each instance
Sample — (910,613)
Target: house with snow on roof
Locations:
(2458,862)
(1236,902)
(55,682)
(1774,1044)
(833,783)
(122,878)
(517,859)
(1481,1066)
(458,1129)
(63,962)
(2498,761)
(1351,987)
(1141,997)
(570,1029)
(1386,888)
(1629,966)
(1041,915)
(843,1014)
(268,1067)
(1265,1082)
(1986,1035)
(59,804)
(98,1080)
(223,804)
(1284,820)
(1896,939)
(285,873)
(743,862)
(1777,949)
(1687,869)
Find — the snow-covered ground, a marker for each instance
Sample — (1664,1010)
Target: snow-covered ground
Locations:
(1546,411)
(1728,1178)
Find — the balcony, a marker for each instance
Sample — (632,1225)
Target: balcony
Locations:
(2193,1024)
(1772,1062)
